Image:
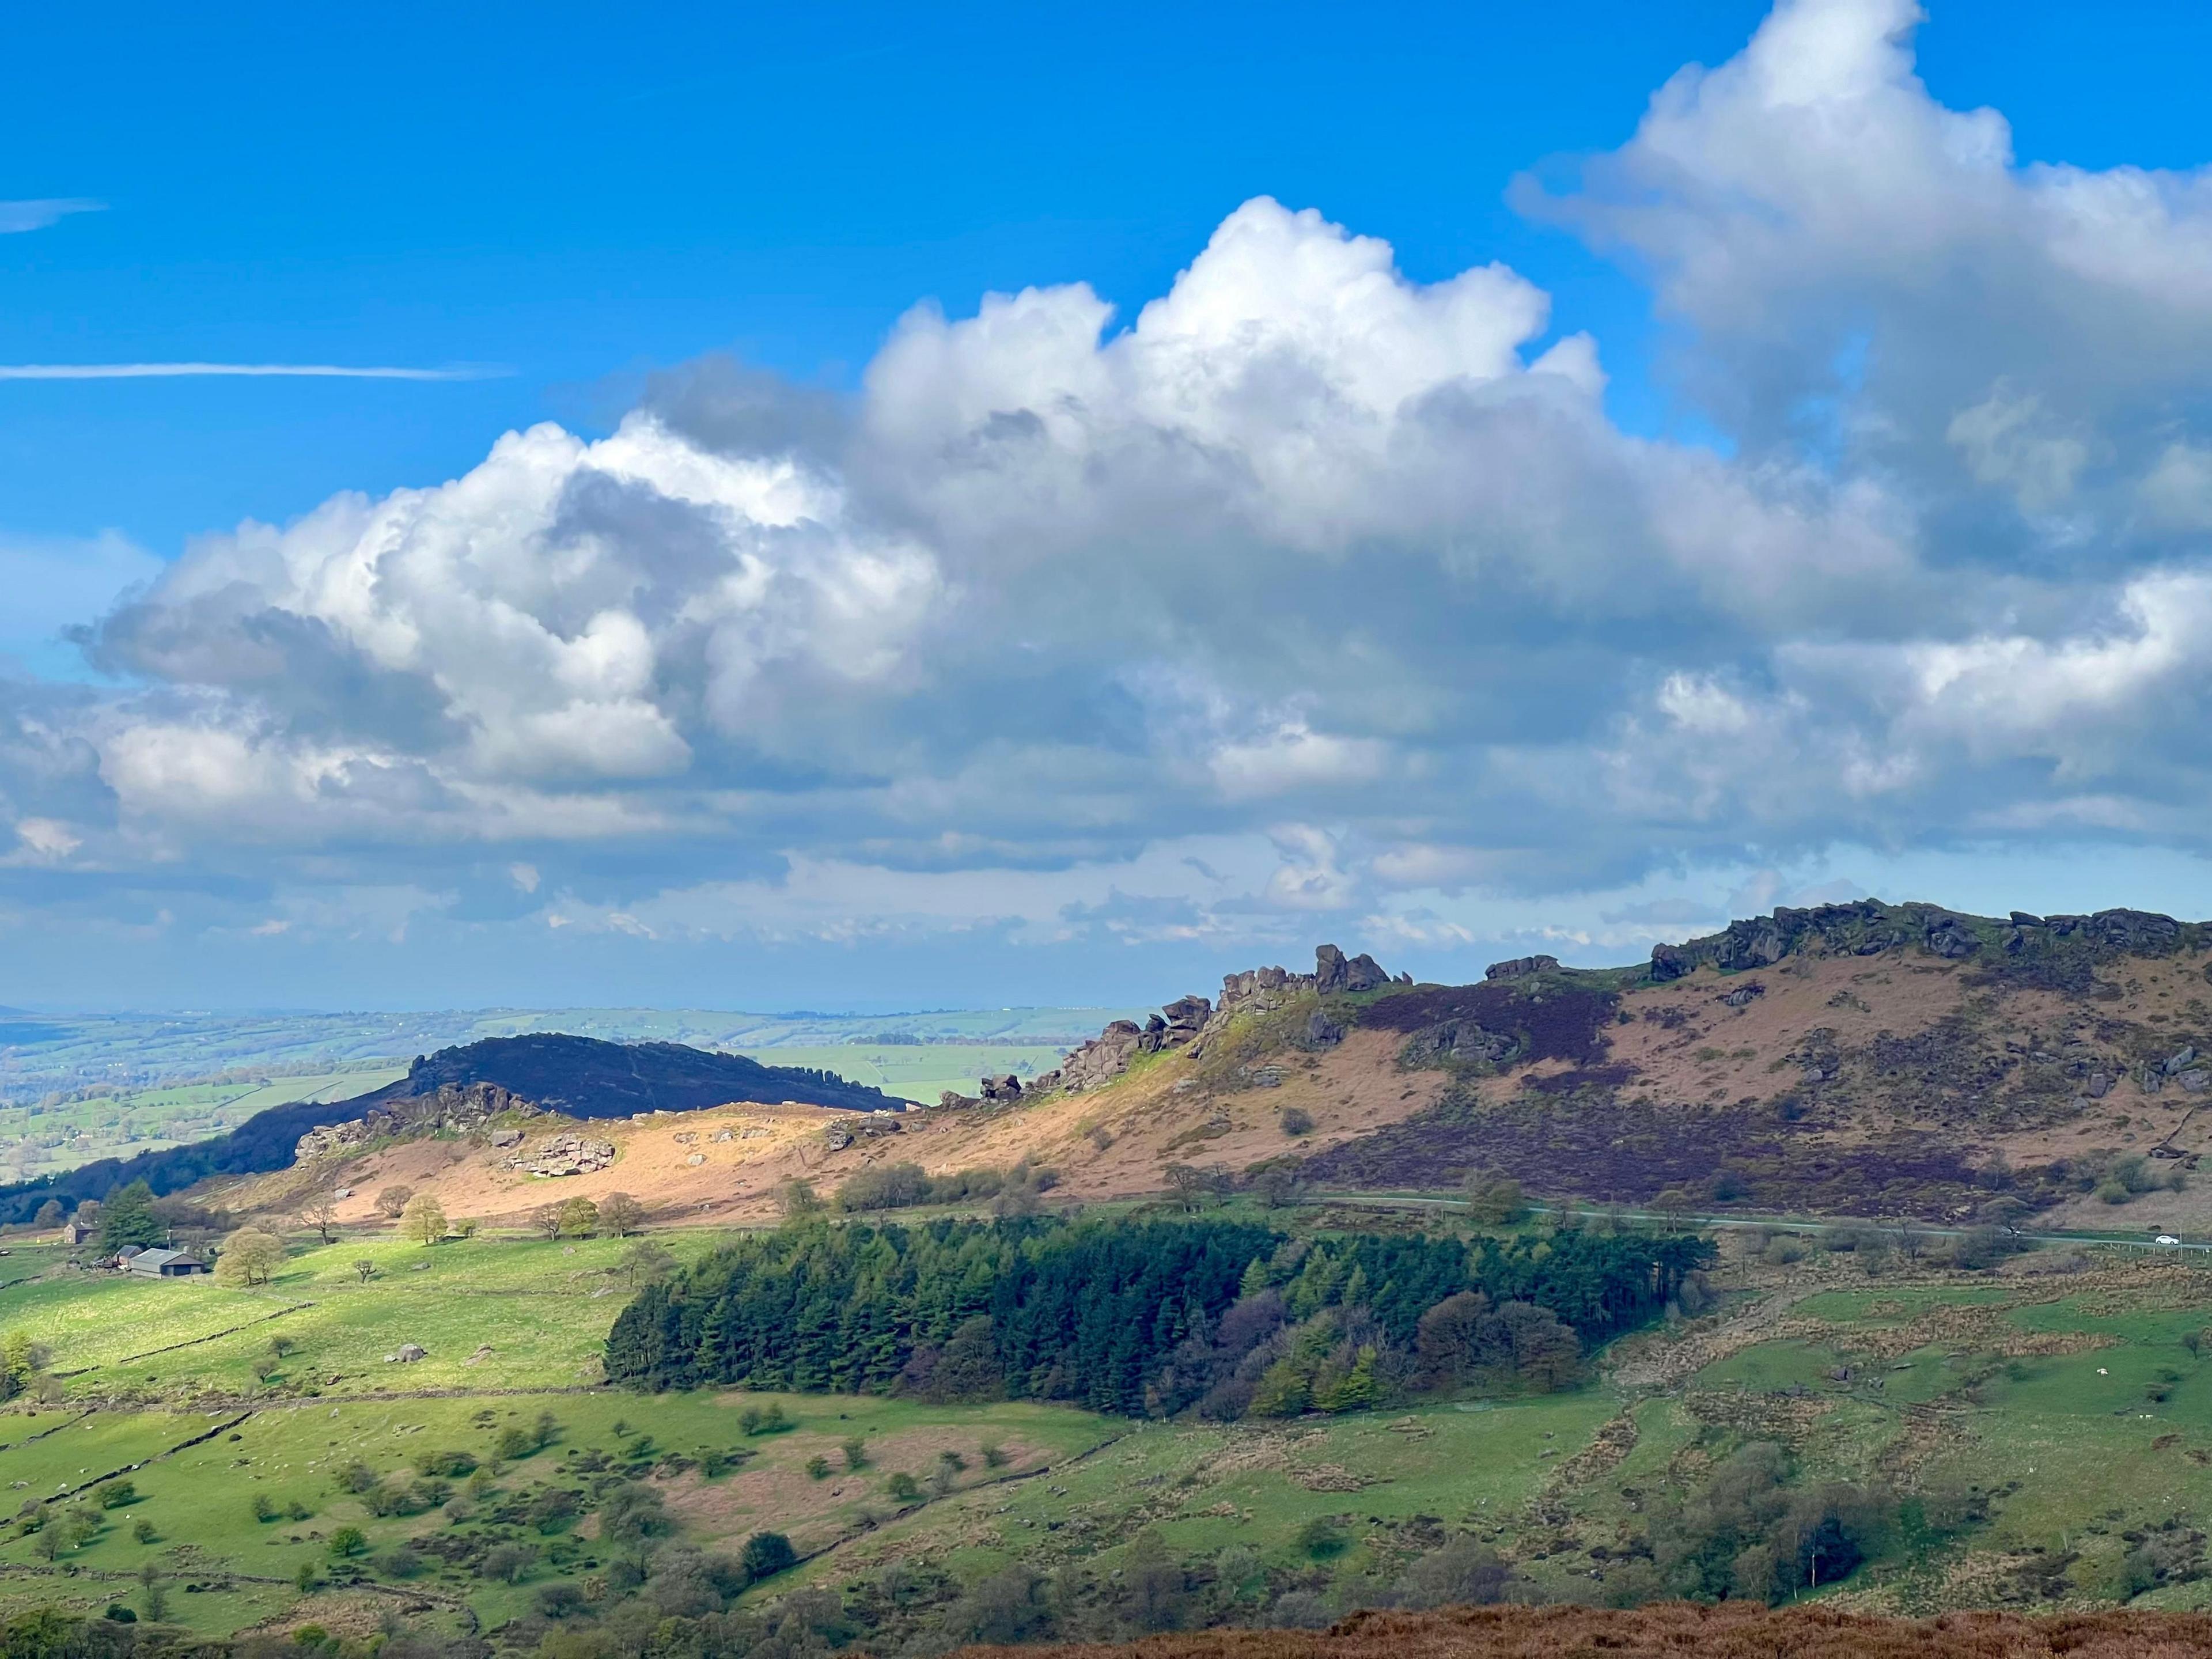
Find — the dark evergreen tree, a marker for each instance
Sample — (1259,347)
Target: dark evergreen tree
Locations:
(128,1218)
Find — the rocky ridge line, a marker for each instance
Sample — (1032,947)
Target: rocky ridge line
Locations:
(1193,1021)
(1868,926)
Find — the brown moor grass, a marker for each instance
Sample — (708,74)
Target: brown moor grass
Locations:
(1675,1630)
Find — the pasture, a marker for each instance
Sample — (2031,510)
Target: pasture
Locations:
(2067,1420)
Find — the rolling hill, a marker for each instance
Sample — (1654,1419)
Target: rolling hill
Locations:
(581,1077)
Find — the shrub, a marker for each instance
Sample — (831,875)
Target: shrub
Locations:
(510,1564)
(886,1187)
(1323,1537)
(265,1508)
(392,1200)
(766,1554)
(856,1453)
(754,1420)
(143,1532)
(818,1468)
(904,1486)
(630,1513)
(512,1444)
(346,1543)
(115,1494)
(554,1508)
(560,1600)
(1300,1610)
(1463,1573)
(1495,1202)
(1297,1120)
(355,1477)
(1748,1532)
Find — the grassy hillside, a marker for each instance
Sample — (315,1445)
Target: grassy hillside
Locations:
(2046,1437)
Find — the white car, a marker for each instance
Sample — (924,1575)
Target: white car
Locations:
(2165,1238)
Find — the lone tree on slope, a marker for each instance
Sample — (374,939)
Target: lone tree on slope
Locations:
(423,1220)
(249,1257)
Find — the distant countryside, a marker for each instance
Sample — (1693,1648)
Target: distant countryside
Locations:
(77,1088)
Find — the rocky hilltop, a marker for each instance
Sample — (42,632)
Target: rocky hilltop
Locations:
(1862,1059)
(1192,1021)
(2057,952)
(1898,1062)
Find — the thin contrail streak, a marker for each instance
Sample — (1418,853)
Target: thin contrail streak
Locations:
(157,371)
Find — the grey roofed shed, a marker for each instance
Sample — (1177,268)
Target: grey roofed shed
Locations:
(166,1264)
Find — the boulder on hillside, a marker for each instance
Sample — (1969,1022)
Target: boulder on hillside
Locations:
(1457,1041)
(1521,967)
(1185,1017)
(1949,937)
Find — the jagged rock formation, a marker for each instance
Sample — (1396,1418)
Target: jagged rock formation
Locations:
(1333,972)
(1104,1057)
(1191,1021)
(449,1109)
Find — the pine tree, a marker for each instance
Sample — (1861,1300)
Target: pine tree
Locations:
(128,1218)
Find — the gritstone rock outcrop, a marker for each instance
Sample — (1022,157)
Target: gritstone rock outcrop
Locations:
(449,1109)
(1190,1021)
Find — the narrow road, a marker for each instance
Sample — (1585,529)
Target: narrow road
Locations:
(1789,1224)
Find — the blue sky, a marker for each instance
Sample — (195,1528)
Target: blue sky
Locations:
(1438,734)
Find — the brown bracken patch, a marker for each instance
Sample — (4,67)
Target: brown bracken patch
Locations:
(1675,1630)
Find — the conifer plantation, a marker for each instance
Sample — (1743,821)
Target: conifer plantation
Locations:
(1141,1318)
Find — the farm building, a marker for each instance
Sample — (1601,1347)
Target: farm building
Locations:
(166,1264)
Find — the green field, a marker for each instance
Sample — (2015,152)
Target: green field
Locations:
(920,1071)
(47,1137)
(2075,1411)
